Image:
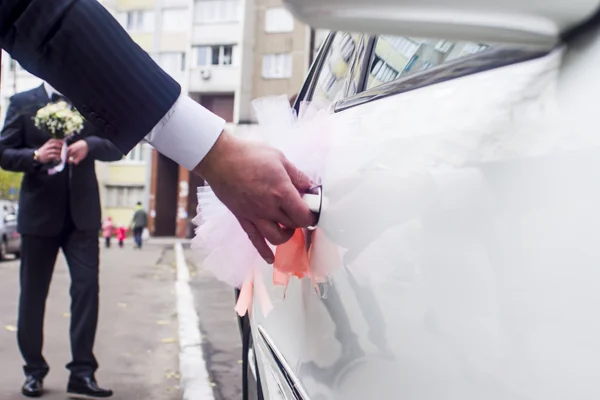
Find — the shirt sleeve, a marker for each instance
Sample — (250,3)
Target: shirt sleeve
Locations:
(186,133)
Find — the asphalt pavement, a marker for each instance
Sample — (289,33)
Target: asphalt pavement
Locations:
(136,344)
(221,341)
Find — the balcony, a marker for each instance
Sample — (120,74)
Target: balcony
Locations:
(214,79)
(217,33)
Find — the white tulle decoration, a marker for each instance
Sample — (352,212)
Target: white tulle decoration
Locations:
(220,242)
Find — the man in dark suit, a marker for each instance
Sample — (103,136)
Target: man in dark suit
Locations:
(79,48)
(56,211)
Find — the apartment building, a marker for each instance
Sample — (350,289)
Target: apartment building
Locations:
(237,50)
(126,182)
(281,55)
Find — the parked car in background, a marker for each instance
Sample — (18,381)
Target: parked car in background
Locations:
(10,240)
(469,241)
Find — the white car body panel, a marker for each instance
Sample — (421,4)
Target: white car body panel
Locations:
(516,21)
(483,285)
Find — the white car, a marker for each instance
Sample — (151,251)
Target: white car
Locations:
(470,241)
(10,239)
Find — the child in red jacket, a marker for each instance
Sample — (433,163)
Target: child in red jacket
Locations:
(121,235)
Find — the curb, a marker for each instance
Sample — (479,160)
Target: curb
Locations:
(194,379)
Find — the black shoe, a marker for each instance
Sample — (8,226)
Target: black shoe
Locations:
(86,388)
(33,387)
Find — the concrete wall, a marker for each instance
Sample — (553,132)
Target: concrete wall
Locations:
(295,42)
(123,173)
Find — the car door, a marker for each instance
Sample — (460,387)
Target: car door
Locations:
(329,80)
(413,305)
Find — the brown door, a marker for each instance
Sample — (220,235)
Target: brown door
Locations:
(165,223)
(220,104)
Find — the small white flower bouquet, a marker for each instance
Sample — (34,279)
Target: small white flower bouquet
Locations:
(59,119)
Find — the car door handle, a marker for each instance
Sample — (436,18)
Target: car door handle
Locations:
(314,200)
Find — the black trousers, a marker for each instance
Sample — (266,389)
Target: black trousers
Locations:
(81,249)
(137,236)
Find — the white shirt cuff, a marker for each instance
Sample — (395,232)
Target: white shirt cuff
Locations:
(186,133)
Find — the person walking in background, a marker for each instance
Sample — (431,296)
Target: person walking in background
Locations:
(107,231)
(59,209)
(121,235)
(139,222)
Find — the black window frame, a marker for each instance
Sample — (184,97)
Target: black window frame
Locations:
(308,88)
(491,58)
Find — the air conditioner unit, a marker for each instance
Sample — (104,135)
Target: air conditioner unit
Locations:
(205,74)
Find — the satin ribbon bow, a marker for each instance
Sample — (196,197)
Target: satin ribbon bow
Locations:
(291,259)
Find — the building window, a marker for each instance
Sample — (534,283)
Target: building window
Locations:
(336,71)
(211,11)
(215,52)
(136,154)
(227,55)
(444,46)
(277,66)
(137,20)
(172,62)
(123,196)
(472,48)
(214,55)
(406,46)
(175,20)
(395,57)
(383,71)
(278,20)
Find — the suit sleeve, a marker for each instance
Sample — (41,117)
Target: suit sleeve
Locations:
(14,156)
(81,50)
(102,149)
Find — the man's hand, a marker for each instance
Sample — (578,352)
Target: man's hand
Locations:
(77,152)
(50,151)
(261,187)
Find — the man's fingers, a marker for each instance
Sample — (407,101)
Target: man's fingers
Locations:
(274,233)
(283,219)
(257,240)
(299,179)
(294,207)
(55,144)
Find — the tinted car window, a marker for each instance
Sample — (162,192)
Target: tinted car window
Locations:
(395,57)
(336,67)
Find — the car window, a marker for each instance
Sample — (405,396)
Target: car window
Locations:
(395,57)
(337,67)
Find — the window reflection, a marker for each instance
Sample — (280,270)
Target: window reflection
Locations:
(397,56)
(336,67)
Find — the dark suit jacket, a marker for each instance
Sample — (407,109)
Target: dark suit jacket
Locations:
(45,199)
(82,51)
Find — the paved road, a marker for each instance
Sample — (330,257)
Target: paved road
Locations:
(222,345)
(136,343)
